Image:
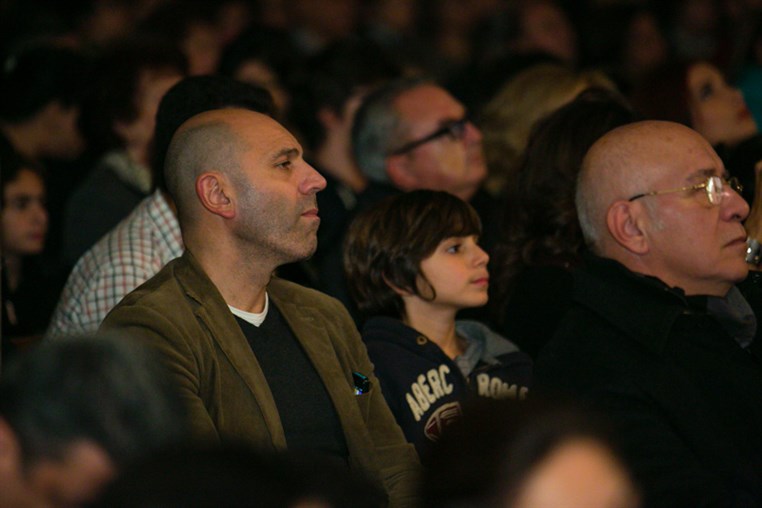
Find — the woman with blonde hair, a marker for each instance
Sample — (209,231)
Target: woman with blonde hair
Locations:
(508,118)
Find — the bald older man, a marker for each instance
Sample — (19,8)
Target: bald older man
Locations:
(658,338)
(257,358)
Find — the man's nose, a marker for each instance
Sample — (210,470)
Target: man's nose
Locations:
(734,206)
(473,134)
(312,182)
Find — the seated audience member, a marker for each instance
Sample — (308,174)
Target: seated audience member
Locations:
(508,118)
(73,413)
(540,241)
(138,247)
(652,338)
(532,454)
(118,120)
(41,89)
(29,290)
(412,134)
(412,262)
(233,474)
(697,95)
(260,359)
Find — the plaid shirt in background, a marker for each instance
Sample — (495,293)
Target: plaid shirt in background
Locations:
(130,254)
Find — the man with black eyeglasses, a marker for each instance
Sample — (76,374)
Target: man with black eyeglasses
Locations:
(412,134)
(659,338)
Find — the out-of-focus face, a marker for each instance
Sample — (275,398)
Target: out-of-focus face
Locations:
(137,134)
(24,216)
(646,46)
(455,165)
(258,73)
(65,141)
(76,478)
(692,244)
(579,474)
(457,270)
(546,28)
(328,19)
(69,481)
(276,191)
(202,47)
(718,111)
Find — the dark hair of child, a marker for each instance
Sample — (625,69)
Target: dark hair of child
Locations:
(386,243)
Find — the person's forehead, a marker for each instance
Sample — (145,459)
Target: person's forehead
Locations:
(669,154)
(427,103)
(26,181)
(266,138)
(695,159)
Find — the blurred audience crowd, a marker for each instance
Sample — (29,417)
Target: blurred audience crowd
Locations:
(485,175)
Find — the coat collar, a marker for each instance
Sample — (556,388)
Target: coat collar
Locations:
(609,289)
(213,312)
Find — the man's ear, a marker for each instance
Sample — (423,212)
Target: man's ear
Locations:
(213,191)
(398,170)
(623,220)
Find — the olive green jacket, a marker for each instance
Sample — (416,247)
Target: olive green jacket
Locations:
(180,313)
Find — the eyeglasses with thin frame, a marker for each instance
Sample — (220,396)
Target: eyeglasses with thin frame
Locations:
(714,186)
(456,129)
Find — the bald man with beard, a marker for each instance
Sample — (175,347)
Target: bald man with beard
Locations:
(658,338)
(260,359)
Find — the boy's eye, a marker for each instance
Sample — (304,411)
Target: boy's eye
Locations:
(453,249)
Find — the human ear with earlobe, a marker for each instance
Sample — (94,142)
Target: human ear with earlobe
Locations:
(400,291)
(624,223)
(399,172)
(215,195)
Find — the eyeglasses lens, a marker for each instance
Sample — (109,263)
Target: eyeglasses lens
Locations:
(714,189)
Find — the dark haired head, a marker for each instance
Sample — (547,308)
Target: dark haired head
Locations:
(116,82)
(386,243)
(273,46)
(267,57)
(540,225)
(108,391)
(194,95)
(35,76)
(333,76)
(11,164)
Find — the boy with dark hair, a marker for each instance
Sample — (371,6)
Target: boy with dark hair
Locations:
(412,263)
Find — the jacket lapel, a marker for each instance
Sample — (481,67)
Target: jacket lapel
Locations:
(214,313)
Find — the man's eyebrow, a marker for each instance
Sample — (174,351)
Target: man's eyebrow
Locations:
(704,173)
(444,122)
(285,152)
